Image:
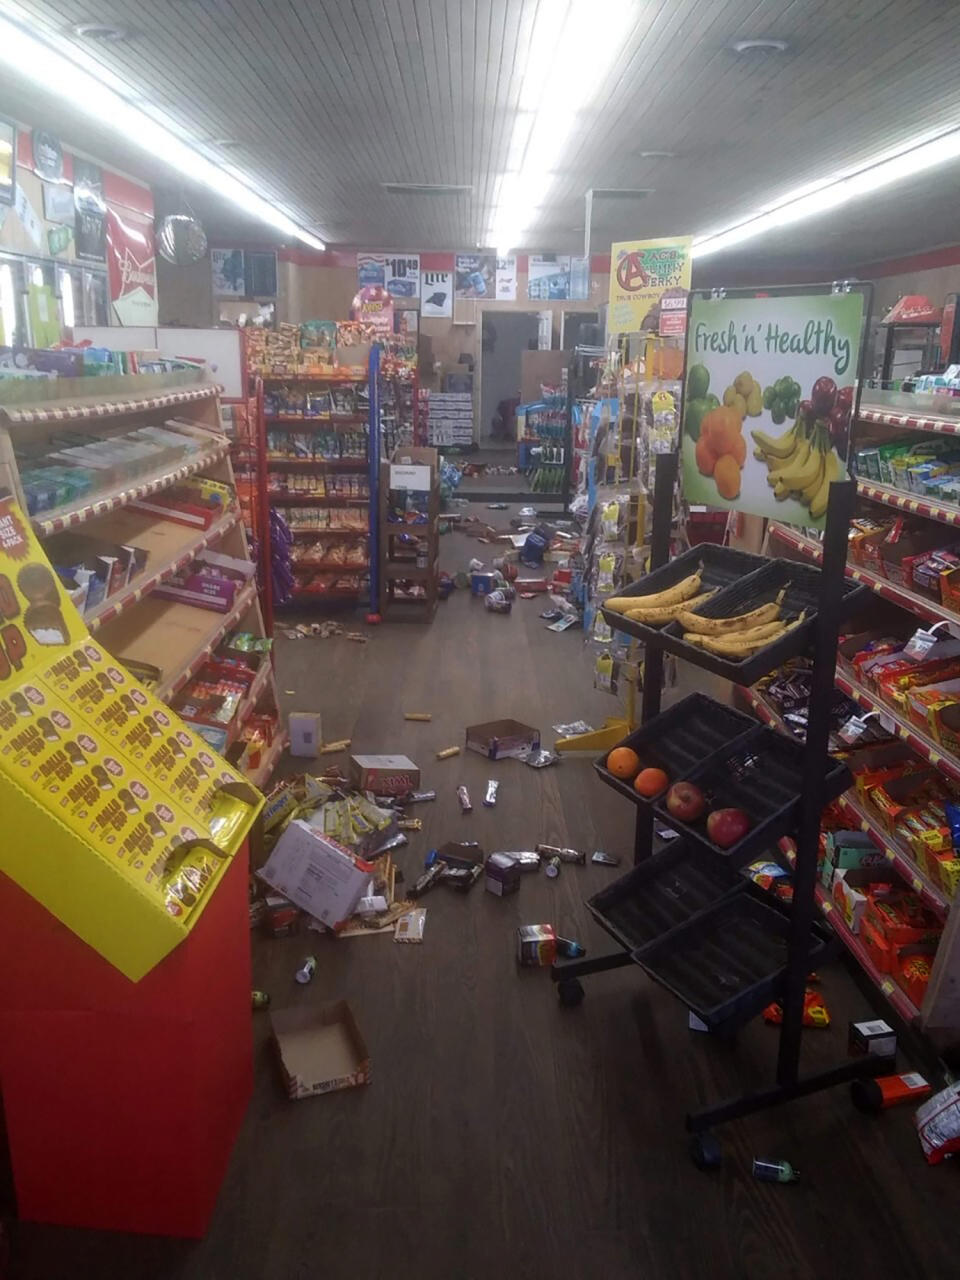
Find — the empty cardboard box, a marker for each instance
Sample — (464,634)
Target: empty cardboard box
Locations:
(320,1049)
(305,733)
(501,738)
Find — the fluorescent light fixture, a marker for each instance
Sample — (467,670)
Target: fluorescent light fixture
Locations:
(557,87)
(94,91)
(828,193)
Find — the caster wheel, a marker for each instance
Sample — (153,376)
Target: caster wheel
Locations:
(570,992)
(705,1151)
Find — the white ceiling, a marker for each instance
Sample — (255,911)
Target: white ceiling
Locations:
(331,98)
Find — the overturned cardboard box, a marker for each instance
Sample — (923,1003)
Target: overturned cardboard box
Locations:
(320,1049)
(316,873)
(498,739)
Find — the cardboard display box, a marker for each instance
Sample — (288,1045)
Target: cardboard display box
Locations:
(118,819)
(320,1050)
(384,775)
(316,873)
(499,739)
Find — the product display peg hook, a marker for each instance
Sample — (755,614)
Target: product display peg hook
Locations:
(718,294)
(842,286)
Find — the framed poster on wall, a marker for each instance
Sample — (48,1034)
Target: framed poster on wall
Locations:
(90,233)
(8,162)
(227,269)
(436,294)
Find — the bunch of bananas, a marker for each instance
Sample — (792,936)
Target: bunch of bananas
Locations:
(740,635)
(802,463)
(661,607)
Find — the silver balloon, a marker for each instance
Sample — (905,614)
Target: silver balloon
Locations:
(181,240)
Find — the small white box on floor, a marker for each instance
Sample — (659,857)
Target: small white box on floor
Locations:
(306,734)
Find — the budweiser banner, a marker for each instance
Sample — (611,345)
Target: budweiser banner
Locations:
(131,268)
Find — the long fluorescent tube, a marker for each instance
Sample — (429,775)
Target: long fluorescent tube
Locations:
(819,197)
(572,45)
(89,92)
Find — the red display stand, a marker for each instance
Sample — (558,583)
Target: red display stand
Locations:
(123,1099)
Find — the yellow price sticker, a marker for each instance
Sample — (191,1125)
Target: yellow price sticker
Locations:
(912,504)
(903,731)
(935,757)
(827,906)
(890,855)
(886,986)
(917,884)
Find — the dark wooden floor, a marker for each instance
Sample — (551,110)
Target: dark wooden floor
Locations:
(502,1136)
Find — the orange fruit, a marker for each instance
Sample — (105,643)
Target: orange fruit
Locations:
(739,451)
(706,458)
(622,762)
(727,476)
(650,782)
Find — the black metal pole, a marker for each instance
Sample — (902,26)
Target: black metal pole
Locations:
(568,435)
(826,633)
(664,483)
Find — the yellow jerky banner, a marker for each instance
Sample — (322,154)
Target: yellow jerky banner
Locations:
(649,282)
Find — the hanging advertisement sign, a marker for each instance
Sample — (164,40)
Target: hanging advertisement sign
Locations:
(642,273)
(579,279)
(30,220)
(476,275)
(58,204)
(769,394)
(131,270)
(402,275)
(373,307)
(227,269)
(436,294)
(548,277)
(8,161)
(371,269)
(47,155)
(506,289)
(91,211)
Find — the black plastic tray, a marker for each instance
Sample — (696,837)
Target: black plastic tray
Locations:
(728,963)
(761,773)
(748,591)
(721,567)
(672,887)
(679,739)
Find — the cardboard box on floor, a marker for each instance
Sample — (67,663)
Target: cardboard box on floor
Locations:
(384,775)
(316,873)
(499,739)
(320,1049)
(117,817)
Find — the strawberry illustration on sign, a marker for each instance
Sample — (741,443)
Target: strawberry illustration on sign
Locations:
(131,269)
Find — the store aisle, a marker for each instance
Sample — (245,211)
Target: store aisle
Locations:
(501,1135)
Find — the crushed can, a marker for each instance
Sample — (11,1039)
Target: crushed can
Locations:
(497,602)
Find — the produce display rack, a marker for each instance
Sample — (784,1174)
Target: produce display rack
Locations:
(281,473)
(132,623)
(705,935)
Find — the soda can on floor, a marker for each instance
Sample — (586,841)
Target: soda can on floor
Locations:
(552,867)
(306,971)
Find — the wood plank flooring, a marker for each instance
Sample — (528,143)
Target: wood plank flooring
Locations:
(503,1136)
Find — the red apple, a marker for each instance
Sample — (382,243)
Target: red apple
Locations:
(685,802)
(727,827)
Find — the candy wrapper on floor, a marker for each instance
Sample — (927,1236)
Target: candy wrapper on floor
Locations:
(938,1124)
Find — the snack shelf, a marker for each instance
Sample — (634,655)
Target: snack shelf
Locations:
(103,406)
(326,464)
(261,774)
(898,857)
(166,530)
(897,997)
(303,596)
(331,380)
(260,681)
(174,637)
(893,722)
(329,566)
(911,421)
(906,502)
(334,532)
(66,517)
(314,500)
(315,420)
(920,605)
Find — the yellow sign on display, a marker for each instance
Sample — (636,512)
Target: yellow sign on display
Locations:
(649,283)
(117,817)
